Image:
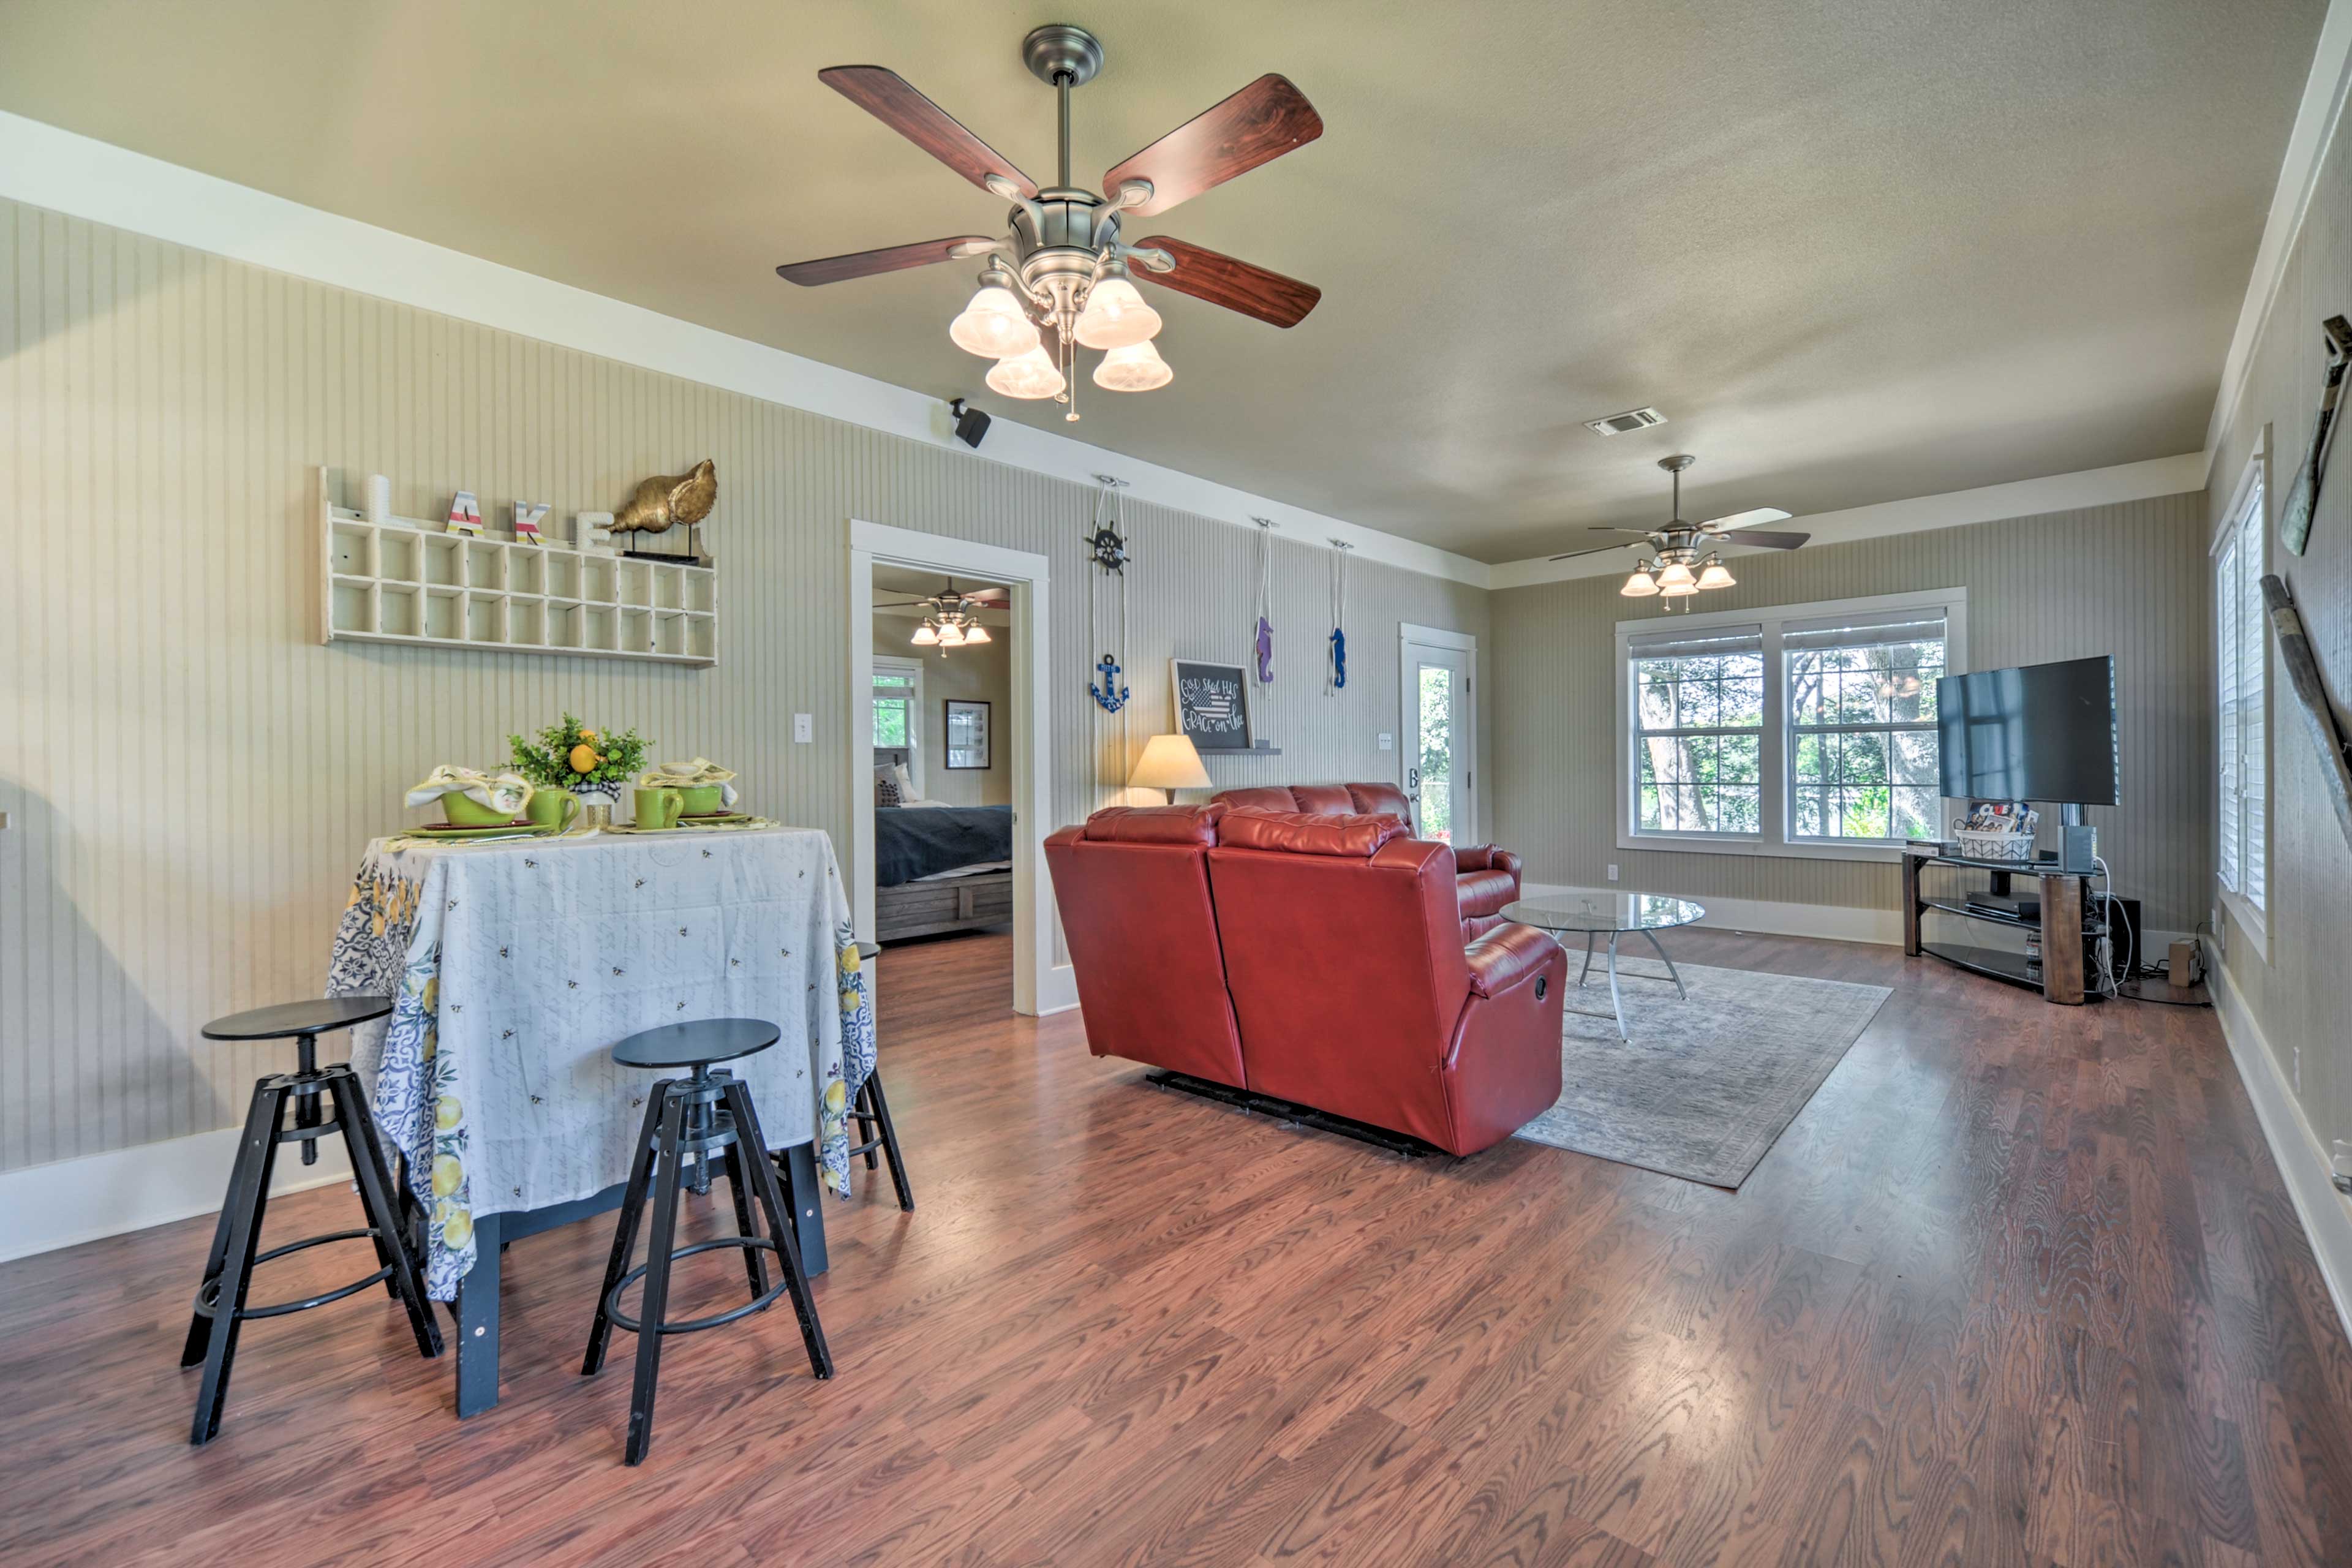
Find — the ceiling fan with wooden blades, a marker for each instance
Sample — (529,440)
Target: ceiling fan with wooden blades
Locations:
(1677,547)
(951,620)
(1059,278)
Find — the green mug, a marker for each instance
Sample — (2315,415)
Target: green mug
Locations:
(553,810)
(658,808)
(465,811)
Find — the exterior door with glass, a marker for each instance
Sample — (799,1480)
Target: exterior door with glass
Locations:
(1441,746)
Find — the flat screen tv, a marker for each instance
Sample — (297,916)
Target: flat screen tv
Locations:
(2040,733)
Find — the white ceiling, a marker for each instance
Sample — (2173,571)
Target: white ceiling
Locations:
(1856,252)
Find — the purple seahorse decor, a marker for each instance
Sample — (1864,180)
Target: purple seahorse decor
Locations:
(1265,645)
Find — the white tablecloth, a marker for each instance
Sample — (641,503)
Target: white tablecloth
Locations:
(516,965)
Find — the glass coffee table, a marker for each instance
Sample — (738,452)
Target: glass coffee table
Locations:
(1616,915)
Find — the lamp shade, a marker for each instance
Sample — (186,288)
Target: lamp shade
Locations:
(1639,585)
(1168,762)
(926,635)
(976,633)
(1676,576)
(1115,316)
(1138,368)
(994,325)
(1030,375)
(1716,574)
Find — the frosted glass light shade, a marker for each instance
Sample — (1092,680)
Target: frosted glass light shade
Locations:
(1682,590)
(1029,374)
(1716,574)
(926,635)
(976,633)
(951,635)
(1116,316)
(1138,368)
(1639,586)
(992,326)
(1676,577)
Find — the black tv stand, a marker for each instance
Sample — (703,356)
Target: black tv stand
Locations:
(2065,964)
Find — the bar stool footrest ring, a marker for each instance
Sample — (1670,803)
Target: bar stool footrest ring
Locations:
(208,1294)
(620,1319)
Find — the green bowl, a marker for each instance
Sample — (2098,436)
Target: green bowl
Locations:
(463,811)
(702,800)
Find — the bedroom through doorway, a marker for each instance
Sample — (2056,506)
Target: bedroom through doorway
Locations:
(943,817)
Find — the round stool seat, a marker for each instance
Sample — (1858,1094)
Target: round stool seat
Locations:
(695,1043)
(869,951)
(323,1015)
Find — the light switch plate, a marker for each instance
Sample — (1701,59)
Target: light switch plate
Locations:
(803,727)
(1612,873)
(1388,742)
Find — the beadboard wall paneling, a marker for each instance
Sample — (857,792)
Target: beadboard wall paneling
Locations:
(190,777)
(2301,992)
(2127,580)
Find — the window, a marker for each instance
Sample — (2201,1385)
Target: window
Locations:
(2241,699)
(1804,730)
(898,710)
(1699,731)
(1861,726)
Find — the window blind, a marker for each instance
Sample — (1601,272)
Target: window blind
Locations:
(1865,631)
(1719,642)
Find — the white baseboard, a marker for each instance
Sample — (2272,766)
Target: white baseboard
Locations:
(1059,991)
(1837,922)
(2303,1162)
(43,1207)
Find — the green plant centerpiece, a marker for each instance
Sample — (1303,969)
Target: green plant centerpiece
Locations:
(591,763)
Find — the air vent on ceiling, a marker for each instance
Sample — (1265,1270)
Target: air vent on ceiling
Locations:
(1632,419)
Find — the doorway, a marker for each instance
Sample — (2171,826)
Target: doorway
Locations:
(1437,687)
(1014,739)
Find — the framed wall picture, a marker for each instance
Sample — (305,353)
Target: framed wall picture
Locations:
(1211,703)
(967,734)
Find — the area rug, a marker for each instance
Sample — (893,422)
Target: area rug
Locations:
(1705,1085)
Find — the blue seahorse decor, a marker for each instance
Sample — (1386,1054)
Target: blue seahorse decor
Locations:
(1110,696)
(1339,656)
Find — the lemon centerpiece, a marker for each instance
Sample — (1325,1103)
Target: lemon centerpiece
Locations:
(570,757)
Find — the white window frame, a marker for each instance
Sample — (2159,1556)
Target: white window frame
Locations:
(2246,521)
(1775,838)
(887,664)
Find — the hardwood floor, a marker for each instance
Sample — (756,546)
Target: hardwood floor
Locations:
(2020,1286)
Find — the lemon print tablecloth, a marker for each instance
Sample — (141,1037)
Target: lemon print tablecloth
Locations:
(516,965)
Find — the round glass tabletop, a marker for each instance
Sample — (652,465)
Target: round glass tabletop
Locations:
(1606,911)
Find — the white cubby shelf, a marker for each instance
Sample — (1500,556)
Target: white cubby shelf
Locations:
(412,585)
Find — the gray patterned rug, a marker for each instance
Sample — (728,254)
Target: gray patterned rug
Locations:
(1706,1085)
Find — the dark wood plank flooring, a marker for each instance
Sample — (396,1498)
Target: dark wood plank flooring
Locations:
(2020,1286)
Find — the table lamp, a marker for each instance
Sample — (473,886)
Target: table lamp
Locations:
(1168,762)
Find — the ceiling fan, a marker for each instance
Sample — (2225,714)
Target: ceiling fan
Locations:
(1677,546)
(951,620)
(1059,278)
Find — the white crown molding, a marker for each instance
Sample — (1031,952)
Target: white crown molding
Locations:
(2315,120)
(1956,508)
(47,167)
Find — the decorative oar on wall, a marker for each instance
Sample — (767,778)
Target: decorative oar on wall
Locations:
(2311,691)
(2294,522)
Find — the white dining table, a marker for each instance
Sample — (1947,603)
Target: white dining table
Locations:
(515,965)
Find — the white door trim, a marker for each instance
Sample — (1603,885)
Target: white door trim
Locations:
(1035,988)
(1410,636)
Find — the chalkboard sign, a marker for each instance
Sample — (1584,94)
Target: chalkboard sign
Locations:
(1212,704)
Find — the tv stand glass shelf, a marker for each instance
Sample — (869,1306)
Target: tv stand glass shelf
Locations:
(2061,972)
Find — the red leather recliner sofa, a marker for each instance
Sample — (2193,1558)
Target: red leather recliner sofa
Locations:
(1318,958)
(1487,878)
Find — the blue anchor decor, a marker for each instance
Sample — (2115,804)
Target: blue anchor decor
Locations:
(1110,696)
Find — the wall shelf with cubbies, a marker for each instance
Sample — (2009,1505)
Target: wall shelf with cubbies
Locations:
(411,585)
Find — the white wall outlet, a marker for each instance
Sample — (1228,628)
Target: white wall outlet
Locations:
(803,727)
(1612,873)
(1388,742)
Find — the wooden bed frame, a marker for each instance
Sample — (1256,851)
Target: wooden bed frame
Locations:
(950,903)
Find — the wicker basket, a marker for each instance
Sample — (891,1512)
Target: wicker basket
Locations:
(2013,848)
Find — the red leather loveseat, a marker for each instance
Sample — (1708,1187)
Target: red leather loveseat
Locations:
(1487,878)
(1316,958)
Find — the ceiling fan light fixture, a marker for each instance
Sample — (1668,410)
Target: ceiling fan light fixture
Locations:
(951,635)
(994,325)
(1640,585)
(976,633)
(926,635)
(1116,315)
(1135,367)
(1027,375)
(1716,574)
(1675,578)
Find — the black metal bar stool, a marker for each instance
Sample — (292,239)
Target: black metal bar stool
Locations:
(873,1110)
(228,1270)
(702,1115)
